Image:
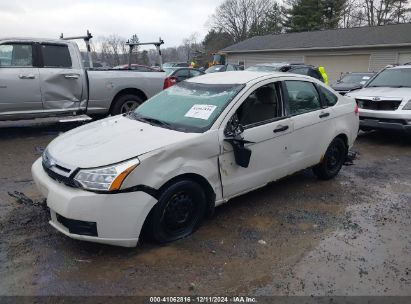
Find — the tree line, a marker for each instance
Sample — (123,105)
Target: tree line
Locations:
(236,20)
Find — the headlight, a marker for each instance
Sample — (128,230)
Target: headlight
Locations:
(407,106)
(108,178)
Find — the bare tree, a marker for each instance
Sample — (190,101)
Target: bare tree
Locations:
(380,12)
(238,17)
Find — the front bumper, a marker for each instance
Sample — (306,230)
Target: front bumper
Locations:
(384,124)
(389,120)
(114,219)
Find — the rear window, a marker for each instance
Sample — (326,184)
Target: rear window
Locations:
(328,97)
(56,56)
(16,55)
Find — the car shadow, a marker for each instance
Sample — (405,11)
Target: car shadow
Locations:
(37,127)
(385,137)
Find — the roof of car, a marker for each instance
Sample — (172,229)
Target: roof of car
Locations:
(403,66)
(29,39)
(237,77)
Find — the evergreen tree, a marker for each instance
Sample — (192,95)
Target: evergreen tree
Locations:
(311,15)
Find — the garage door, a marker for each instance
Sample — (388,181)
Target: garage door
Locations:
(340,64)
(404,58)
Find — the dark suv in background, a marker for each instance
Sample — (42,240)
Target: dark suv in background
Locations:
(296,68)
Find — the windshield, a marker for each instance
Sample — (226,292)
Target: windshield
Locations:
(395,78)
(263,68)
(355,78)
(187,106)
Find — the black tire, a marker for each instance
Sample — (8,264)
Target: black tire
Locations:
(333,160)
(125,103)
(178,213)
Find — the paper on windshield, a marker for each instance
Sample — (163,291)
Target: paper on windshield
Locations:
(200,111)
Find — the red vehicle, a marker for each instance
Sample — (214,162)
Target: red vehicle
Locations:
(135,67)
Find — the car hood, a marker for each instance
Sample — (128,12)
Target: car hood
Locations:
(399,93)
(346,86)
(110,141)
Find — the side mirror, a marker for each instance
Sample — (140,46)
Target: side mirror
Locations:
(233,133)
(234,128)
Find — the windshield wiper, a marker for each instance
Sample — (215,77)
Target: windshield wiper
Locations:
(153,121)
(387,86)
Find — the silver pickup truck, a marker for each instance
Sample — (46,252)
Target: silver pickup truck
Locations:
(41,78)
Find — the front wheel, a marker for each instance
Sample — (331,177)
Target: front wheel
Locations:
(179,211)
(333,160)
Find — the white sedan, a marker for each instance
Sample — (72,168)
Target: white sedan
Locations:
(188,149)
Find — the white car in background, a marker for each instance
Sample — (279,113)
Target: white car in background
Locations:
(189,148)
(385,101)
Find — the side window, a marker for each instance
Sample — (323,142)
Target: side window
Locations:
(302,97)
(315,74)
(261,105)
(55,56)
(194,73)
(301,71)
(182,74)
(16,55)
(329,98)
(230,67)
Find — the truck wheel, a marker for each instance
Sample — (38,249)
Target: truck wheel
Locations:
(333,160)
(178,213)
(125,103)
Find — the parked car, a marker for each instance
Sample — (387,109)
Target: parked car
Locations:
(135,67)
(191,147)
(175,65)
(46,78)
(176,75)
(296,68)
(385,101)
(352,81)
(223,68)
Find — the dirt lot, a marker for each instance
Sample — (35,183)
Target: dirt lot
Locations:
(298,236)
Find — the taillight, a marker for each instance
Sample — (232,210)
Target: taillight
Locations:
(356,109)
(169,81)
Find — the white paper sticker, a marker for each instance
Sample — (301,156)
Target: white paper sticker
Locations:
(201,111)
(366,77)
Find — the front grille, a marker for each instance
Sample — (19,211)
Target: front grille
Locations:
(68,181)
(381,105)
(78,227)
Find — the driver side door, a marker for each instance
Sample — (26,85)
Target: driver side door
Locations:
(262,115)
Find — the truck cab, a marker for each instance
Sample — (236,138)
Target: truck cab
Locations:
(40,78)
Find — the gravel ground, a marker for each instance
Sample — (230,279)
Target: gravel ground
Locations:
(297,236)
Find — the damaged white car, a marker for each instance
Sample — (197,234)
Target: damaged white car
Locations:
(188,149)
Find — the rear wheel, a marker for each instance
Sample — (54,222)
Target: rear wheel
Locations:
(333,160)
(178,213)
(125,103)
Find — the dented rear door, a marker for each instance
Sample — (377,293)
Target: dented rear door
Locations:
(62,78)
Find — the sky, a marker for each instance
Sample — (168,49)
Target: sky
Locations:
(172,20)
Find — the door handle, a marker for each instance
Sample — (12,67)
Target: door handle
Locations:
(322,115)
(280,129)
(30,76)
(72,76)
